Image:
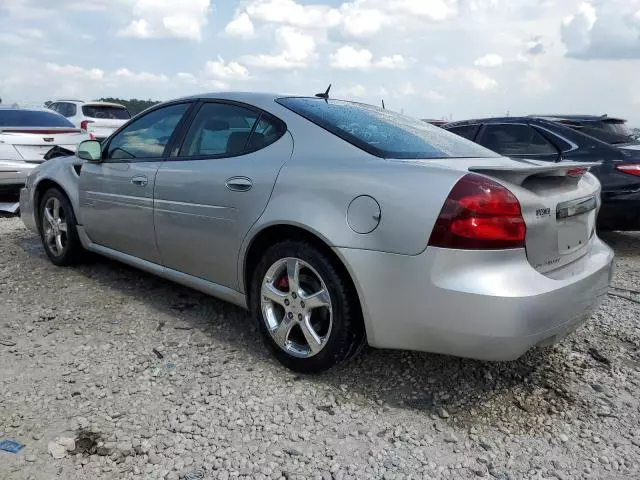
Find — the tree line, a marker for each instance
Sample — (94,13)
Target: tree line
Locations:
(134,105)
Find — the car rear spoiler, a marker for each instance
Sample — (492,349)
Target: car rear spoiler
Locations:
(40,130)
(517,174)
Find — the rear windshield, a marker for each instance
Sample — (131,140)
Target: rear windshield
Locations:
(30,118)
(106,111)
(612,132)
(382,132)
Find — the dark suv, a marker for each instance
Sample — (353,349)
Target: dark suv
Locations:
(554,138)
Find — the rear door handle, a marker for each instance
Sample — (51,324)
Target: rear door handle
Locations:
(239,184)
(140,180)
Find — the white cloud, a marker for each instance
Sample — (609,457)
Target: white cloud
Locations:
(187,77)
(142,77)
(75,71)
(292,13)
(489,61)
(241,26)
(603,30)
(297,50)
(167,18)
(222,70)
(471,76)
(348,57)
(358,21)
(357,90)
(407,89)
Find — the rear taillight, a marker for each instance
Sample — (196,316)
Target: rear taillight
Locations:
(479,214)
(84,124)
(630,168)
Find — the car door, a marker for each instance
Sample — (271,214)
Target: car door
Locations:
(215,186)
(116,195)
(518,140)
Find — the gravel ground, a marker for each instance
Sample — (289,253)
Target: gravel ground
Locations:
(124,375)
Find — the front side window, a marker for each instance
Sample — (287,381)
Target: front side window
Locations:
(148,136)
(221,129)
(382,132)
(509,139)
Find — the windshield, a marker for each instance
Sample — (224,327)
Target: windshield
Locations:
(384,133)
(32,118)
(106,111)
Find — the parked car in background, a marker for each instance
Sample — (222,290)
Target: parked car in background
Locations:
(611,130)
(99,119)
(26,136)
(584,139)
(432,121)
(335,223)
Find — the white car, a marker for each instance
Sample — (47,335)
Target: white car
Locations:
(99,119)
(26,135)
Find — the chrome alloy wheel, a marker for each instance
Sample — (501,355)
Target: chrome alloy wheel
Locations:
(296,307)
(54,224)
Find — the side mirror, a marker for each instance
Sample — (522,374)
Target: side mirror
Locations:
(90,150)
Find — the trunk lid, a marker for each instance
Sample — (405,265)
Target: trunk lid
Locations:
(559,205)
(32,143)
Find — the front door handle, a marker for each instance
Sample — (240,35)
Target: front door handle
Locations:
(239,184)
(140,180)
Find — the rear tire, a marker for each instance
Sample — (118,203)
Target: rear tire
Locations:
(315,326)
(58,229)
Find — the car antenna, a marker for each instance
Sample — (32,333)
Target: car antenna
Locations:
(324,95)
(383,107)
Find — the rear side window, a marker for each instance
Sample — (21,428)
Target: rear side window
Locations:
(221,129)
(515,140)
(27,118)
(612,131)
(106,111)
(67,109)
(466,131)
(381,132)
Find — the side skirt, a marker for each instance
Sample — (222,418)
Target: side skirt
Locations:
(218,291)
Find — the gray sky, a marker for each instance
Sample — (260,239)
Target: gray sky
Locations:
(430,58)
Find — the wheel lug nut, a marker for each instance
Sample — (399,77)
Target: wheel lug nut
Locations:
(302,304)
(294,295)
(300,316)
(286,302)
(290,314)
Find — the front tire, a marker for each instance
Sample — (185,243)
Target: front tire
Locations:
(58,229)
(306,311)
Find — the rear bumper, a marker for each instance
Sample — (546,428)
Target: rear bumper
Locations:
(620,211)
(13,175)
(482,305)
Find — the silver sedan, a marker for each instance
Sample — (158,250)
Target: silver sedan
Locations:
(336,224)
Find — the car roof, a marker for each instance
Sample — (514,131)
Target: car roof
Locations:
(103,104)
(578,118)
(535,119)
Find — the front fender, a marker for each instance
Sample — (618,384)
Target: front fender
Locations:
(61,172)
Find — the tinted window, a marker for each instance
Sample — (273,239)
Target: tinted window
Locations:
(148,136)
(611,132)
(29,118)
(66,109)
(466,131)
(222,129)
(382,132)
(106,111)
(515,140)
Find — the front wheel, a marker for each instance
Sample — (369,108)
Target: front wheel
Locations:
(58,229)
(306,312)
